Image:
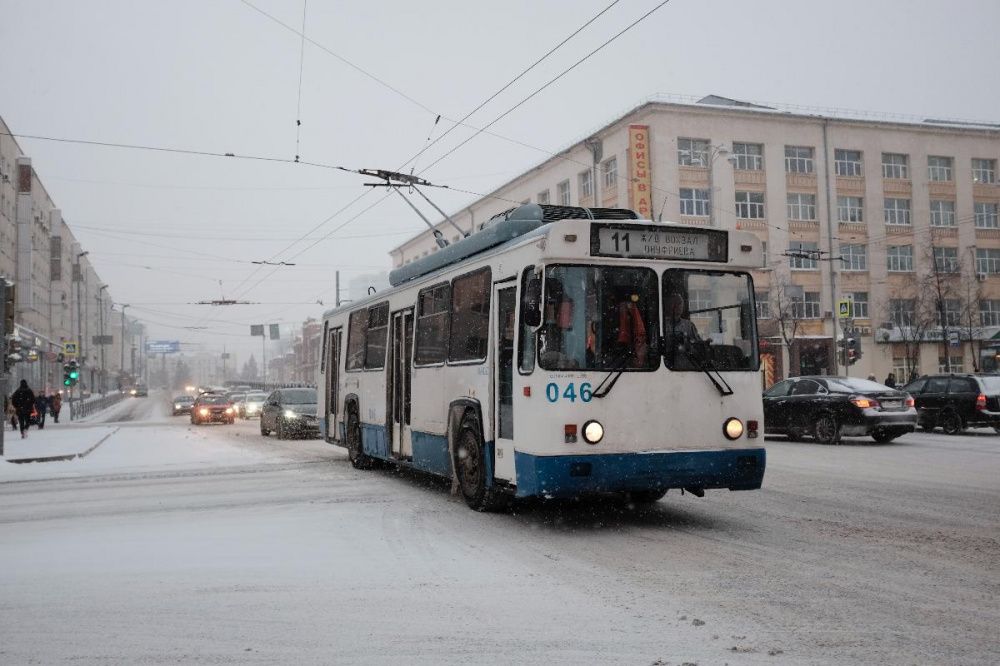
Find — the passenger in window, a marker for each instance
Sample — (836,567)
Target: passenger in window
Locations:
(557,321)
(632,340)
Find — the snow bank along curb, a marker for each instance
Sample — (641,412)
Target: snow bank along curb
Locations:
(66,456)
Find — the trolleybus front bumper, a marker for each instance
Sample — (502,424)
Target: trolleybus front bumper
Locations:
(573,475)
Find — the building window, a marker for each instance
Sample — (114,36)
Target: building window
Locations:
(951,364)
(433,306)
(945,259)
(987,261)
(763,254)
(692,152)
(586,184)
(895,165)
(699,299)
(860,305)
(989,312)
(609,173)
(984,171)
(986,215)
(803,255)
(847,162)
(763,302)
(749,156)
(942,213)
(806,307)
(901,311)
(900,366)
(543,197)
(939,168)
(750,205)
(799,159)
(854,256)
(897,211)
(801,206)
(900,258)
(694,202)
(470,316)
(952,311)
(562,192)
(850,209)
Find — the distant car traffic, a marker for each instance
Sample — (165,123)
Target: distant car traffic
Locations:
(235,398)
(957,401)
(828,408)
(251,405)
(182,404)
(140,391)
(212,407)
(289,412)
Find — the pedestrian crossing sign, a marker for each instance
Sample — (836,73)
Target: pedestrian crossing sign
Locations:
(69,349)
(844,308)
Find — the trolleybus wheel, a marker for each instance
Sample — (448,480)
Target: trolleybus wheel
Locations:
(354,449)
(646,496)
(826,431)
(470,467)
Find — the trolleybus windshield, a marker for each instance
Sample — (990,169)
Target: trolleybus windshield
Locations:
(709,321)
(599,318)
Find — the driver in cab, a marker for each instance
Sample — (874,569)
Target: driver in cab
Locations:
(681,333)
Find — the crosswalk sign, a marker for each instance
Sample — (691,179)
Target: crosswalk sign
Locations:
(844,308)
(69,349)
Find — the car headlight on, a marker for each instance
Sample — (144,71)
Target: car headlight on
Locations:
(593,432)
(229,410)
(203,411)
(289,414)
(132,391)
(732,428)
(177,405)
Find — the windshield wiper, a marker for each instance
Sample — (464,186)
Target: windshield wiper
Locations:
(613,376)
(707,367)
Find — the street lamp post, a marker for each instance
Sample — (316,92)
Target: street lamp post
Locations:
(79,317)
(121,367)
(100,322)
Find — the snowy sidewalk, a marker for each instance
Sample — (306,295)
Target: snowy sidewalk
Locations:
(52,444)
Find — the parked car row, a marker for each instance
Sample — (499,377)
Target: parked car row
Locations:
(827,408)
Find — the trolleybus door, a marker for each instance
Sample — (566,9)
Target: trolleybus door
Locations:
(503,373)
(332,384)
(398,393)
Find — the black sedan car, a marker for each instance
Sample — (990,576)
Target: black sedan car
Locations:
(957,401)
(290,411)
(828,408)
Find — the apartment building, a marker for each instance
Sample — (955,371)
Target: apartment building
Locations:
(897,215)
(60,296)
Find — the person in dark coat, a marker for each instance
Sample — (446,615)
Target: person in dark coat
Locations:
(890,380)
(42,407)
(23,400)
(55,403)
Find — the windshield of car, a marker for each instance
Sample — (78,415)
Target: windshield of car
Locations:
(213,400)
(256,397)
(709,321)
(599,318)
(298,396)
(855,385)
(236,397)
(183,398)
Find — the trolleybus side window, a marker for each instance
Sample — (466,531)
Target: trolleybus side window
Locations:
(599,318)
(433,318)
(530,294)
(709,321)
(322,353)
(357,328)
(470,316)
(378,328)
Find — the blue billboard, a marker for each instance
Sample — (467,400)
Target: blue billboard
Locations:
(163,347)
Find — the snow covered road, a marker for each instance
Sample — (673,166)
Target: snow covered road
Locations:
(171,543)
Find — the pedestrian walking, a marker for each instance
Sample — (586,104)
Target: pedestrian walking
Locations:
(23,401)
(56,406)
(42,407)
(890,380)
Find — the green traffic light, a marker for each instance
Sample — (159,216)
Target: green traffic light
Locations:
(66,382)
(74,375)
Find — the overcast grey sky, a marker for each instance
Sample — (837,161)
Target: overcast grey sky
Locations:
(216,75)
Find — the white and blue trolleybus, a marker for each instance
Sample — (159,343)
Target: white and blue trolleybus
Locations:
(556,352)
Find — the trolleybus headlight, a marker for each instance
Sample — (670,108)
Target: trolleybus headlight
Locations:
(733,428)
(593,432)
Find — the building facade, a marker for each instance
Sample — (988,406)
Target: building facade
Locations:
(897,217)
(60,297)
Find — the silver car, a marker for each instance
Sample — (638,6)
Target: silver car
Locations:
(251,405)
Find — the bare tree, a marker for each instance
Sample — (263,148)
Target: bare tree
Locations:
(970,297)
(784,296)
(942,284)
(913,311)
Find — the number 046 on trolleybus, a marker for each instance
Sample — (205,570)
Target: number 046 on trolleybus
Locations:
(556,352)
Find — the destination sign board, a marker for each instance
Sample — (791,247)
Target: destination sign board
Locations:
(635,241)
(163,347)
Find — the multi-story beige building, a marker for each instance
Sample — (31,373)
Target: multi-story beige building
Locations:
(59,295)
(898,216)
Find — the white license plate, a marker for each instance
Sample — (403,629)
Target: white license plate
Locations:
(891,404)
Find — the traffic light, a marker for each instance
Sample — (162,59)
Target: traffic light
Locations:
(71,374)
(853,350)
(66,380)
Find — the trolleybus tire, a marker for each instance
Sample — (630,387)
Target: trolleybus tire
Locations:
(646,496)
(826,430)
(355,450)
(470,468)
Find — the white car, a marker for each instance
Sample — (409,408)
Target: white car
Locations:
(251,405)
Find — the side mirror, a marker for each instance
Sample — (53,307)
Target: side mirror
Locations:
(531,302)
